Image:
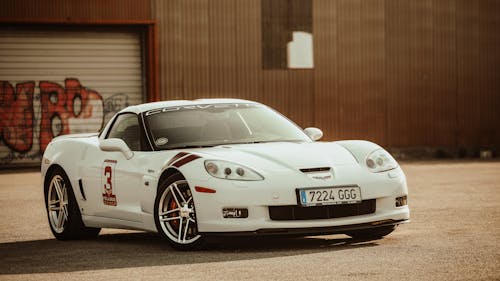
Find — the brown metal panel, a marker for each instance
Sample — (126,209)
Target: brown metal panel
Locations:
(195,49)
(76,10)
(151,57)
(301,97)
(478,73)
(489,116)
(276,90)
(275,22)
(325,70)
(398,73)
(421,92)
(493,48)
(168,14)
(468,66)
(361,83)
(444,75)
(348,66)
(248,50)
(275,81)
(222,50)
(374,102)
(419,56)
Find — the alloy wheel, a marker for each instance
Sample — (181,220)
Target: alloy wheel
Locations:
(57,203)
(176,213)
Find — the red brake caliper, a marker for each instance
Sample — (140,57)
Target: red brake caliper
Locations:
(171,206)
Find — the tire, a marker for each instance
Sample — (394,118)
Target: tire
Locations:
(175,214)
(63,213)
(372,233)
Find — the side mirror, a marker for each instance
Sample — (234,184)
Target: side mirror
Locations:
(313,133)
(114,144)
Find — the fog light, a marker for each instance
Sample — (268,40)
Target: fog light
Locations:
(229,213)
(401,201)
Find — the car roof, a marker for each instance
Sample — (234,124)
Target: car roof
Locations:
(173,103)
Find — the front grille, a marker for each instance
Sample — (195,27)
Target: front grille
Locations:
(294,212)
(312,170)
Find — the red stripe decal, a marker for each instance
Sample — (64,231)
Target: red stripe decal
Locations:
(185,160)
(176,157)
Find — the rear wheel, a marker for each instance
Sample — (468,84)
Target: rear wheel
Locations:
(65,219)
(175,214)
(373,233)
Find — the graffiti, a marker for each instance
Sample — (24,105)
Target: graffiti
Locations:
(114,104)
(66,110)
(31,117)
(16,115)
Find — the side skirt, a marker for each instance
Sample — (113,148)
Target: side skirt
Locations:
(103,222)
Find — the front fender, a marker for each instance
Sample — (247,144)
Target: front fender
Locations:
(359,148)
(66,153)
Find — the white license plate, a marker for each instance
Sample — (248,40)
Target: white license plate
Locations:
(330,195)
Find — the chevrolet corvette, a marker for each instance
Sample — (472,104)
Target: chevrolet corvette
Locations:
(215,167)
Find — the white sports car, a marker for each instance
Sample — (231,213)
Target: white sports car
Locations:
(193,169)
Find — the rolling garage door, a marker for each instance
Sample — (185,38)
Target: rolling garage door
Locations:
(60,82)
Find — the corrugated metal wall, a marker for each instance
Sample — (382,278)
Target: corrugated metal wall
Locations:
(62,82)
(421,72)
(478,72)
(352,82)
(212,48)
(401,73)
(67,66)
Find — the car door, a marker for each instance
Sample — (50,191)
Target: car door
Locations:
(121,178)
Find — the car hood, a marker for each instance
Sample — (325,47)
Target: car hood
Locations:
(279,155)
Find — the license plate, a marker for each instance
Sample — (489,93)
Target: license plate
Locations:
(330,195)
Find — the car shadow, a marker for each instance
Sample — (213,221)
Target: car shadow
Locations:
(148,249)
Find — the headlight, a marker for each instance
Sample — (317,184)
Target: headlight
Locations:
(231,171)
(380,161)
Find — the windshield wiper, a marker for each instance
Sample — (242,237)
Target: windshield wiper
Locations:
(263,141)
(190,146)
(228,143)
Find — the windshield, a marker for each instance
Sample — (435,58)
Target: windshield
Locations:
(216,124)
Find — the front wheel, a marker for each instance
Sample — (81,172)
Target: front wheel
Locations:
(64,216)
(175,214)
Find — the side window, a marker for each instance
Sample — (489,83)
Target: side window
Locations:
(126,127)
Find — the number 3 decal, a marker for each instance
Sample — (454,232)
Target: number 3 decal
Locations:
(107,179)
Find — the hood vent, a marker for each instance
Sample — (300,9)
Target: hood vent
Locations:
(314,170)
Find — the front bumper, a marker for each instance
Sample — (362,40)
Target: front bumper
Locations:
(279,190)
(259,221)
